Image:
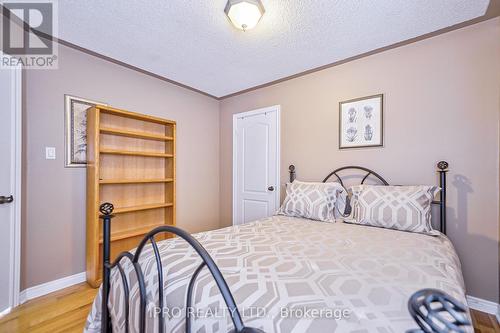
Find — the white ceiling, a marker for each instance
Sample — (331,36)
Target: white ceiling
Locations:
(192,42)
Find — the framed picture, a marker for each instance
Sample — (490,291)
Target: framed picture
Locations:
(76,130)
(361,122)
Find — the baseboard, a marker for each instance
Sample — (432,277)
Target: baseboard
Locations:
(50,287)
(483,305)
(5,312)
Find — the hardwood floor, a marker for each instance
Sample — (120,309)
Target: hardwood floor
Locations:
(484,323)
(62,311)
(67,310)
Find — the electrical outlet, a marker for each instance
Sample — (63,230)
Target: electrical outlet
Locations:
(50,153)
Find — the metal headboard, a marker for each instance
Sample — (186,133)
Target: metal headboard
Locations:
(442,170)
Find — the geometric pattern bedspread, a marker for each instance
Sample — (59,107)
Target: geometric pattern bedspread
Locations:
(293,275)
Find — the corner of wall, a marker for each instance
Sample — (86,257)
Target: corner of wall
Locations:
(222,223)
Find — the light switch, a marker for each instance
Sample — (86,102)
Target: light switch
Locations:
(50,153)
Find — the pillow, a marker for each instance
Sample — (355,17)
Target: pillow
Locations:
(315,201)
(406,208)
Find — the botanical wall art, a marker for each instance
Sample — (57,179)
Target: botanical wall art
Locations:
(361,122)
(76,130)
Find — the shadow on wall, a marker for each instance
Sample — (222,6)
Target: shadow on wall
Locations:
(476,244)
(464,187)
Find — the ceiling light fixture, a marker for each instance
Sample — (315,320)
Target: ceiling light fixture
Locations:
(244,14)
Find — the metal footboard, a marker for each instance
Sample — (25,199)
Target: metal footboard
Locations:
(106,210)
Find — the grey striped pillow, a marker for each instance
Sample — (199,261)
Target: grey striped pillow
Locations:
(315,201)
(406,208)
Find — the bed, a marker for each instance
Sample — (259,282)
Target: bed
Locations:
(285,274)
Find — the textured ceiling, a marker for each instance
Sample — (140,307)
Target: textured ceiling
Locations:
(193,43)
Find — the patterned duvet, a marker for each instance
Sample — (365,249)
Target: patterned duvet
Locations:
(293,275)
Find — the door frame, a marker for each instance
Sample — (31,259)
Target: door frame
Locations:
(16,176)
(236,116)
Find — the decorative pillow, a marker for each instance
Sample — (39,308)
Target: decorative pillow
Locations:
(315,201)
(406,208)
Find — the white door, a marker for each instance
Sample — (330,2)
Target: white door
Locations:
(256,160)
(10,187)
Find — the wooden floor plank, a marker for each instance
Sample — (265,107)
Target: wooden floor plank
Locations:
(68,321)
(35,314)
(484,323)
(67,310)
(63,311)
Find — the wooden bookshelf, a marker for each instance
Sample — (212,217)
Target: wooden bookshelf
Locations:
(131,163)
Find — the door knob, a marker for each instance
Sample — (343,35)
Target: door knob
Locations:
(270,188)
(5,200)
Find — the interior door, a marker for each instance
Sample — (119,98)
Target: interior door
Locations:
(10,171)
(256,164)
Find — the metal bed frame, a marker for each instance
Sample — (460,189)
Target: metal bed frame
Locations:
(106,209)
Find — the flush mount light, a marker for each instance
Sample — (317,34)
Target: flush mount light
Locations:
(244,14)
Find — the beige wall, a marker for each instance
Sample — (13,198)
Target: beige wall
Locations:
(441,102)
(53,229)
